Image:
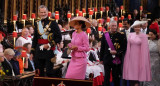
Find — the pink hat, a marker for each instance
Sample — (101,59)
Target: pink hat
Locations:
(80,18)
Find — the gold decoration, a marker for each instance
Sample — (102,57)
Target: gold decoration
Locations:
(46,31)
(50,37)
(32,49)
(117,45)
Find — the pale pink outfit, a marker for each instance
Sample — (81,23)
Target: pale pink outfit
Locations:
(1,48)
(78,63)
(137,58)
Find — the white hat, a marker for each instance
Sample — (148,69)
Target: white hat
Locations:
(137,22)
(79,18)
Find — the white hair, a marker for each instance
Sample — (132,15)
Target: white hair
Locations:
(112,21)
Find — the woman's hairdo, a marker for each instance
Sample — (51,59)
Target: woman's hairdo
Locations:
(155,33)
(83,25)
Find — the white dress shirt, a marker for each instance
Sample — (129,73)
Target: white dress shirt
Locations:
(144,30)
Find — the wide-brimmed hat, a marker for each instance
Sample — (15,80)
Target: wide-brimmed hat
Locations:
(137,22)
(79,18)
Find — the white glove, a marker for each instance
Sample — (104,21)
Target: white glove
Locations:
(41,47)
(49,46)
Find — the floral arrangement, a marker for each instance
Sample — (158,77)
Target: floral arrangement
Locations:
(2,73)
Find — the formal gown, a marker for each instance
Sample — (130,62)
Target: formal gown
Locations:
(137,59)
(154,47)
(78,63)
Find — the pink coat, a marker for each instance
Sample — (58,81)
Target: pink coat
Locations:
(137,58)
(78,63)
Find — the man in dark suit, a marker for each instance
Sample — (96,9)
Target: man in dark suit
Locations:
(145,28)
(47,35)
(8,55)
(117,12)
(18,28)
(135,15)
(111,58)
(126,27)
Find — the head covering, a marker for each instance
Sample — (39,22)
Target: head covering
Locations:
(80,18)
(137,22)
(17,53)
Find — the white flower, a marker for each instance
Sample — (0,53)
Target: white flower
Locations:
(47,26)
(45,29)
(49,29)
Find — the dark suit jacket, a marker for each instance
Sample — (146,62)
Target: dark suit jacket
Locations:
(54,37)
(11,26)
(15,65)
(147,31)
(118,39)
(7,68)
(30,68)
(131,30)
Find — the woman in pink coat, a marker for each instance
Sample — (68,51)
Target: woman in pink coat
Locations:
(137,59)
(79,46)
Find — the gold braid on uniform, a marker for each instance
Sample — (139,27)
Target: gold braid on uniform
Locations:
(50,39)
(33,49)
(45,26)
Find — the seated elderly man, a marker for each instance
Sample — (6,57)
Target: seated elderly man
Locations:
(8,55)
(23,38)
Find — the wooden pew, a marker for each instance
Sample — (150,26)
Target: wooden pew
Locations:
(48,81)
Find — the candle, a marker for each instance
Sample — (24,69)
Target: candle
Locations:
(14,34)
(56,12)
(33,16)
(91,12)
(108,19)
(80,13)
(120,25)
(122,17)
(121,7)
(129,16)
(100,28)
(15,18)
(101,9)
(107,8)
(24,16)
(1,37)
(100,21)
(89,9)
(23,53)
(115,18)
(69,15)
(49,14)
(95,9)
(57,16)
(88,30)
(77,11)
(83,10)
(141,8)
